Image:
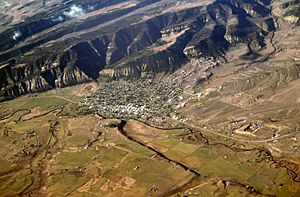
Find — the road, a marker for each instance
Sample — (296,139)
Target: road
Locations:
(189,125)
(193,126)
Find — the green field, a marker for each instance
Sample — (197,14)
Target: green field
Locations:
(60,152)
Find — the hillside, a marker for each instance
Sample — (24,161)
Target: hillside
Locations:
(62,43)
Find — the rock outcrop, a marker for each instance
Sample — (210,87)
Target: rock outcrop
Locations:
(123,39)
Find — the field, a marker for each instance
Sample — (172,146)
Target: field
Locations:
(53,152)
(52,146)
(149,98)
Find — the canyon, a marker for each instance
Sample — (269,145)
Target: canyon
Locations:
(110,40)
(150,98)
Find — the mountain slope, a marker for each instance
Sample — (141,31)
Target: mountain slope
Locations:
(70,42)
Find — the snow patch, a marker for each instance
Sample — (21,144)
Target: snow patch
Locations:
(17,35)
(75,11)
(58,19)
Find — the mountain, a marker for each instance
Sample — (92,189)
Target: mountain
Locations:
(149,98)
(60,43)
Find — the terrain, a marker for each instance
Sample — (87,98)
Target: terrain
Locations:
(62,43)
(150,98)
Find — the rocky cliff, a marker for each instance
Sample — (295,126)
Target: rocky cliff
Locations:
(71,42)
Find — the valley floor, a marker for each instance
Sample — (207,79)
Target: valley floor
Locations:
(211,128)
(53,144)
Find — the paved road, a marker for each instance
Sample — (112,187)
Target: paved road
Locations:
(240,140)
(202,129)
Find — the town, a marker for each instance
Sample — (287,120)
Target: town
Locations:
(145,100)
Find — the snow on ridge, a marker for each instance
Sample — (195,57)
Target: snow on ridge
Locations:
(75,11)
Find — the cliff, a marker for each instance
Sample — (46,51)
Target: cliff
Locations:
(123,39)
